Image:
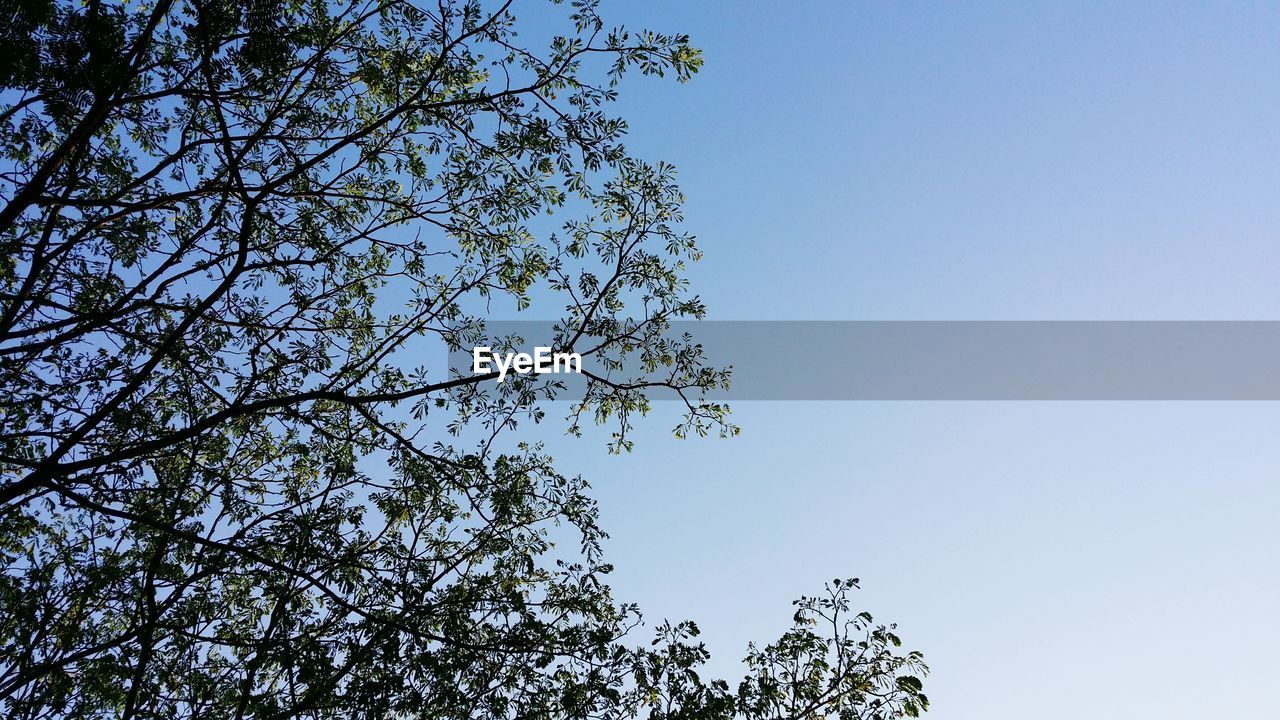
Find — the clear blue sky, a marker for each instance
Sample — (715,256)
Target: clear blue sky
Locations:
(977,161)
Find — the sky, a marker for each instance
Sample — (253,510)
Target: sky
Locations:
(1055,161)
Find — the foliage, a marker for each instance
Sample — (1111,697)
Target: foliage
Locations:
(227,479)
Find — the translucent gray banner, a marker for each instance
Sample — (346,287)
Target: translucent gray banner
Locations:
(968,360)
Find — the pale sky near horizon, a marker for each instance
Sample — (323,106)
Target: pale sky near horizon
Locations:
(976,161)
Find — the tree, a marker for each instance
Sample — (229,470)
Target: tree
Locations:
(229,486)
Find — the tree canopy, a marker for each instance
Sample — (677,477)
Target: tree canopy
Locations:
(230,485)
